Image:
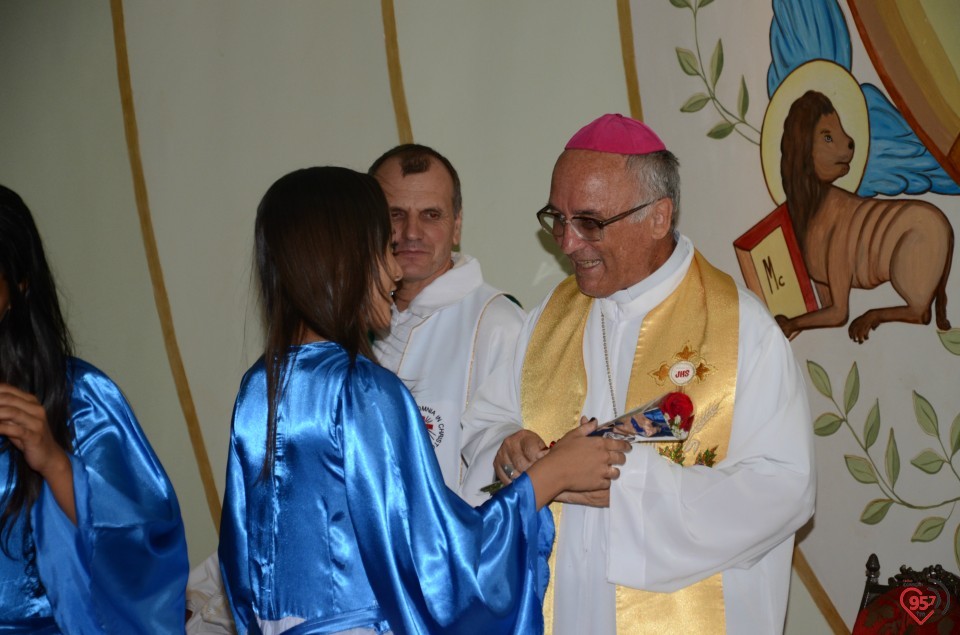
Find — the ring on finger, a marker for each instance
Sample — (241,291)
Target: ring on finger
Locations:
(509,470)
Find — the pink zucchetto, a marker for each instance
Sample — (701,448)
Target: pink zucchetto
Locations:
(616,134)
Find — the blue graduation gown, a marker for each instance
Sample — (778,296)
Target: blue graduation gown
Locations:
(354,526)
(123,567)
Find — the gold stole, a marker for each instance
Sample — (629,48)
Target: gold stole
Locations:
(695,328)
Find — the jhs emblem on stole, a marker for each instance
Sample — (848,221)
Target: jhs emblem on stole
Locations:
(686,366)
(434,423)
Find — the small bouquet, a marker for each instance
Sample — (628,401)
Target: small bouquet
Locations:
(666,418)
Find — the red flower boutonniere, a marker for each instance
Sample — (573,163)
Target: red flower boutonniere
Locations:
(677,409)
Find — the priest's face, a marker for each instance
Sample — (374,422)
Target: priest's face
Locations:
(599,185)
(425,226)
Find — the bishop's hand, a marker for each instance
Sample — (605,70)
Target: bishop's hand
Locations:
(517,453)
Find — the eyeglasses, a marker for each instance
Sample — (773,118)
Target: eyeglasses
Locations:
(587,228)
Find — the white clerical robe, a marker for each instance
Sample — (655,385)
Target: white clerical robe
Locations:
(453,334)
(669,526)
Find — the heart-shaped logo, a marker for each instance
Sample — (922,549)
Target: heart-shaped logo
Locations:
(918,602)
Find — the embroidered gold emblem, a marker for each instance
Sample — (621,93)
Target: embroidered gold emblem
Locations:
(686,366)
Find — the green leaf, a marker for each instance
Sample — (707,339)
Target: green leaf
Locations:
(860,469)
(720,130)
(716,63)
(928,461)
(688,62)
(956,546)
(928,529)
(851,389)
(955,436)
(875,511)
(704,3)
(826,424)
(891,460)
(871,428)
(926,415)
(681,4)
(695,103)
(743,98)
(820,379)
(950,340)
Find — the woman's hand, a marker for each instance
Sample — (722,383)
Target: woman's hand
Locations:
(578,463)
(588,462)
(24,421)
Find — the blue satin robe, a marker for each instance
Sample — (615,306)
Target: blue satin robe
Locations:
(354,526)
(123,567)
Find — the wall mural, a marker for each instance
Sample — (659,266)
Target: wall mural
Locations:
(692,64)
(865,468)
(829,146)
(849,241)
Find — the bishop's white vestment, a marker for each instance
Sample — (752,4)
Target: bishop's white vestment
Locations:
(669,526)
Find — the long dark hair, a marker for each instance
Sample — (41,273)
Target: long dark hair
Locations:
(320,240)
(34,347)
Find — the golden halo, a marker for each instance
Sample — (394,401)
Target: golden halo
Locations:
(844,92)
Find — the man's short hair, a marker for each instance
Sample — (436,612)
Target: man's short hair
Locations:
(415,159)
(658,173)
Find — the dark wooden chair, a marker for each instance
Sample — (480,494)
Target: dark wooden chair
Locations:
(881,610)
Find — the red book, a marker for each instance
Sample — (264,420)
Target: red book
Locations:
(772,265)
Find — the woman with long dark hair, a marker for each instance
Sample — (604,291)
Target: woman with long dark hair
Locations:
(336,518)
(91,535)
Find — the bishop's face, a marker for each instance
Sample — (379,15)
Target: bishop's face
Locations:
(599,185)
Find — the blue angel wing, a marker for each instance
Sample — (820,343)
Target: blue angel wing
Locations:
(804,30)
(898,162)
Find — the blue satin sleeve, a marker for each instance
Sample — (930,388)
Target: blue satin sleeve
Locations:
(234,547)
(123,567)
(436,565)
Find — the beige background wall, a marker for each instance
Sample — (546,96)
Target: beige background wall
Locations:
(229,95)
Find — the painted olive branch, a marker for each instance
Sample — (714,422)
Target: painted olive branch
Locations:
(886,488)
(692,64)
(866,470)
